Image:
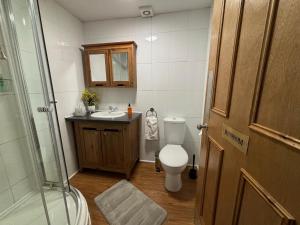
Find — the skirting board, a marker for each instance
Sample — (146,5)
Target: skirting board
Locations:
(141,160)
(72,175)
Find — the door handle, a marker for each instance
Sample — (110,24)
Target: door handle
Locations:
(202,126)
(44,109)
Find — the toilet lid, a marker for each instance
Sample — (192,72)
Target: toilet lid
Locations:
(173,155)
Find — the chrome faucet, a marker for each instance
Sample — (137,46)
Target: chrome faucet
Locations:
(113,108)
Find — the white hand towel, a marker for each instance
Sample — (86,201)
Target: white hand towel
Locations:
(151,128)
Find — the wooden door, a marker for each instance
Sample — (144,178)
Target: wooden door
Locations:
(91,153)
(250,154)
(113,149)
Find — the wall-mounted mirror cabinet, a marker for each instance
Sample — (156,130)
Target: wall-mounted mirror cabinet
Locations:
(110,64)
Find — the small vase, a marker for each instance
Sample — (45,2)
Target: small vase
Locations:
(91,108)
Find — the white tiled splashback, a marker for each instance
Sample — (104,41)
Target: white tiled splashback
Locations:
(171,70)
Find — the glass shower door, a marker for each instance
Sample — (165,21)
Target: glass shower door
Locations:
(34,89)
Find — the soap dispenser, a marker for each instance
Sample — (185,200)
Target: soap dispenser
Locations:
(129,110)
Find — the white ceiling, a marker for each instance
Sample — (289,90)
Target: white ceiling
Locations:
(89,10)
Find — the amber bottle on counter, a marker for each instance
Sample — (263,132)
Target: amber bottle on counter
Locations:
(129,110)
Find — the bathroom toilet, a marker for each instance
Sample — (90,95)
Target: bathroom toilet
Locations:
(173,156)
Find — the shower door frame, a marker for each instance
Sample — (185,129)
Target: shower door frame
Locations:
(10,37)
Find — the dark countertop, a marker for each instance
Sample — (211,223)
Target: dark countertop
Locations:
(122,119)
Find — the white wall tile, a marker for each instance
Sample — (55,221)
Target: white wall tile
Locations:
(197,44)
(178,76)
(6,199)
(144,48)
(13,155)
(65,106)
(161,47)
(22,188)
(169,22)
(144,100)
(195,76)
(176,103)
(142,26)
(194,104)
(144,80)
(179,46)
(160,76)
(10,120)
(199,18)
(67,76)
(3,177)
(161,103)
(31,71)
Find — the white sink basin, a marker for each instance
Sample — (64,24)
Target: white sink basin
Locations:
(108,114)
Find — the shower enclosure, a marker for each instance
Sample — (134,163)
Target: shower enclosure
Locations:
(34,186)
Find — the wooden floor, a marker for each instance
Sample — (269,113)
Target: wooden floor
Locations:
(180,205)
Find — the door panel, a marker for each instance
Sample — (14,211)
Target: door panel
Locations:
(216,32)
(214,160)
(224,69)
(263,106)
(91,156)
(253,199)
(279,68)
(113,148)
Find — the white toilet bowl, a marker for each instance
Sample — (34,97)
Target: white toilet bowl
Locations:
(173,159)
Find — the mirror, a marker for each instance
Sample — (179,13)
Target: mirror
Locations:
(120,66)
(98,67)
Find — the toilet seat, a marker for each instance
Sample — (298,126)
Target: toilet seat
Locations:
(173,156)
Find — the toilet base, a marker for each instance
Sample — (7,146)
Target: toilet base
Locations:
(173,182)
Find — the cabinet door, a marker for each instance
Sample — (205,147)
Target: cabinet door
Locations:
(91,152)
(121,67)
(96,68)
(113,149)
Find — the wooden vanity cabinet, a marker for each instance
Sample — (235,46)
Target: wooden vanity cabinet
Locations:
(110,64)
(107,146)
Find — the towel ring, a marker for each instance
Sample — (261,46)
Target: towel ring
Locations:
(152,110)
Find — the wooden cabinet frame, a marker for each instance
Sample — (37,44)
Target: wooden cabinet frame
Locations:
(107,49)
(108,146)
(87,68)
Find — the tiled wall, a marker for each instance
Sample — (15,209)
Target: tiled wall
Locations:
(64,35)
(171,70)
(16,176)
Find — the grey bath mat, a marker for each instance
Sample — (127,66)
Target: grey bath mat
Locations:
(124,204)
